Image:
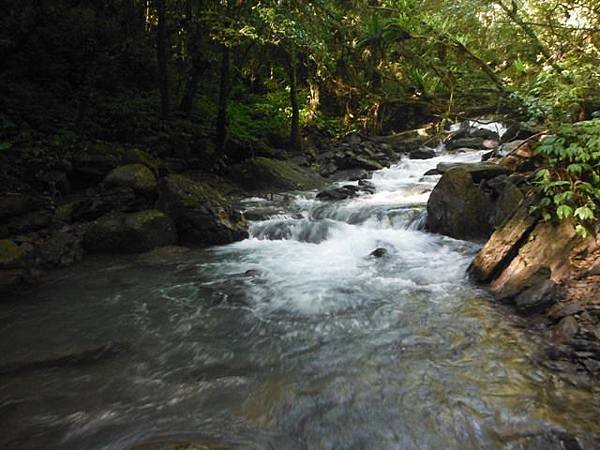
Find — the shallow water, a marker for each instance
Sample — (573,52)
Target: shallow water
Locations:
(320,347)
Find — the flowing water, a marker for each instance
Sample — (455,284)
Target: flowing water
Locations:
(293,339)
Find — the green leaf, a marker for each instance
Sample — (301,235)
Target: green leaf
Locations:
(584,213)
(5,145)
(564,211)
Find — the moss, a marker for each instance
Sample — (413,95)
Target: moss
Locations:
(136,176)
(137,156)
(12,256)
(191,192)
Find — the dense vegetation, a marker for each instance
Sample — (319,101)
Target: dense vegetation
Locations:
(222,81)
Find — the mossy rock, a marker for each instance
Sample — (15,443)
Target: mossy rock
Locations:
(203,216)
(267,174)
(130,233)
(93,162)
(12,256)
(135,176)
(137,156)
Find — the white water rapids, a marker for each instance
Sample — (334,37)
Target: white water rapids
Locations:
(295,338)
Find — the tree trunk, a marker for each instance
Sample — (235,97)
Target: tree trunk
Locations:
(295,137)
(222,120)
(198,64)
(162,58)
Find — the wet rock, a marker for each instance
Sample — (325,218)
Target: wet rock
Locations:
(378,253)
(474,143)
(478,171)
(432,172)
(457,207)
(408,140)
(251,273)
(130,233)
(520,131)
(135,176)
(359,175)
(566,329)
(422,153)
(340,193)
(367,186)
(60,249)
(201,214)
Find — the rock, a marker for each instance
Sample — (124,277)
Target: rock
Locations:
(457,207)
(545,246)
(508,202)
(367,186)
(422,153)
(12,205)
(201,214)
(432,172)
(474,143)
(251,273)
(359,175)
(100,202)
(538,296)
(135,176)
(269,174)
(168,254)
(519,131)
(478,171)
(26,223)
(509,147)
(502,246)
(130,233)
(566,329)
(340,193)
(567,310)
(60,249)
(12,256)
(137,156)
(378,252)
(92,163)
(406,141)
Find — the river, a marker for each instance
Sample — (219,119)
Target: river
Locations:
(295,338)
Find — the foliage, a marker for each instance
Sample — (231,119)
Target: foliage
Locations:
(570,179)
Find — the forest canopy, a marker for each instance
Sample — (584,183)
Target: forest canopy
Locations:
(259,72)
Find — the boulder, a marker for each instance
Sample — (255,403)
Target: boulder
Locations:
(408,140)
(201,214)
(92,163)
(339,193)
(473,143)
(260,174)
(479,171)
(502,246)
(98,202)
(422,153)
(137,156)
(28,222)
(566,329)
(135,176)
(457,207)
(60,249)
(12,205)
(539,296)
(130,233)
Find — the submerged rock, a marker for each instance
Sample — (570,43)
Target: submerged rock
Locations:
(168,254)
(130,233)
(339,193)
(422,153)
(378,252)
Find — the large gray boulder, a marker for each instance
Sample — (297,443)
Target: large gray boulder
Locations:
(201,214)
(130,232)
(479,171)
(458,208)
